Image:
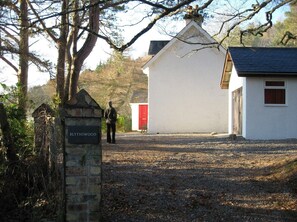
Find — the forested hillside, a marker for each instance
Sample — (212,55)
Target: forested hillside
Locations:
(118,80)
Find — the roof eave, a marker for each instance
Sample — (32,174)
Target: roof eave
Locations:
(227,70)
(266,74)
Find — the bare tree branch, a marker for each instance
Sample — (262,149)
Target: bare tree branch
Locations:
(9,63)
(287,37)
(48,31)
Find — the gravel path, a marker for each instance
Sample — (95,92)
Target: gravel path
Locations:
(195,178)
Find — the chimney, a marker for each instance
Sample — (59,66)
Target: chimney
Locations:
(192,14)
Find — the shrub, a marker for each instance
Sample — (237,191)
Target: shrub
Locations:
(24,182)
(124,124)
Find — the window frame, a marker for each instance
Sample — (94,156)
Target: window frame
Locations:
(284,87)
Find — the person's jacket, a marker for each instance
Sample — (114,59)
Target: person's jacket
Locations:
(110,115)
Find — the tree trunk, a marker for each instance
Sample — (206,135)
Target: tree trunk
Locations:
(7,137)
(24,52)
(67,83)
(90,42)
(74,77)
(62,43)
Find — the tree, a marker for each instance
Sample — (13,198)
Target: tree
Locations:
(23,54)
(74,15)
(287,28)
(264,40)
(75,25)
(14,43)
(240,17)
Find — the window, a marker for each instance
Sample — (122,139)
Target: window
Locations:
(275,93)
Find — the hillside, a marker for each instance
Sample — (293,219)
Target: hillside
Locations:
(118,80)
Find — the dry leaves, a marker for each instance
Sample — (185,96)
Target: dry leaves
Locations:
(196,178)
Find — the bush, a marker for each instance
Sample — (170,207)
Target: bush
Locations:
(124,124)
(24,183)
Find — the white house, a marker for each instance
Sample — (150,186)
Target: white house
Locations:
(139,110)
(184,94)
(262,87)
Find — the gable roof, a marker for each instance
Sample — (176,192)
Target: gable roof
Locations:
(259,61)
(174,39)
(249,61)
(139,96)
(156,46)
(82,99)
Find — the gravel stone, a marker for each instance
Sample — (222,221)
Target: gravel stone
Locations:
(195,177)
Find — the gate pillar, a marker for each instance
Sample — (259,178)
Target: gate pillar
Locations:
(82,158)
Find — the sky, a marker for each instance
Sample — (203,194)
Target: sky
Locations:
(101,51)
(138,49)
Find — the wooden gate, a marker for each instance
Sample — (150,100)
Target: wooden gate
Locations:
(237,111)
(143,114)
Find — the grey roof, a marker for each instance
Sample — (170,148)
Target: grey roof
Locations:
(139,96)
(255,61)
(156,46)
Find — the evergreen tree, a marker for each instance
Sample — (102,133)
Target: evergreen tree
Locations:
(286,30)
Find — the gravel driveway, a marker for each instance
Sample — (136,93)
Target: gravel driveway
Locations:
(196,178)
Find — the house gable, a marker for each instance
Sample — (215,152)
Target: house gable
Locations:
(184,94)
(188,35)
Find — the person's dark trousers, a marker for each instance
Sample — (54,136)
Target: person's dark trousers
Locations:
(111,127)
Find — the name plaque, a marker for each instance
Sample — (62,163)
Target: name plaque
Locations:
(83,134)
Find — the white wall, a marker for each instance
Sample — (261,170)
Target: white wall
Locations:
(184,92)
(270,122)
(234,84)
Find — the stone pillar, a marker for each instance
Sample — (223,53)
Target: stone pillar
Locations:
(42,120)
(83,158)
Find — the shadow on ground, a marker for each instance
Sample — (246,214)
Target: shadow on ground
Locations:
(194,178)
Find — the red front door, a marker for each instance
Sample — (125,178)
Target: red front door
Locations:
(143,111)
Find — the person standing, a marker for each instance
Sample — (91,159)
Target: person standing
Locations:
(110,116)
